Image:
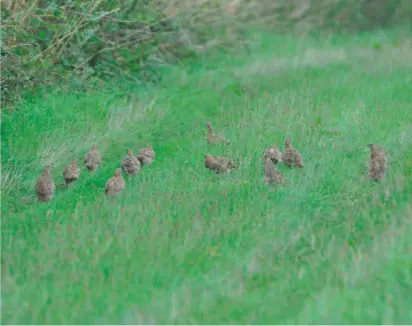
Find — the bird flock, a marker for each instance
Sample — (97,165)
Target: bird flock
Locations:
(131,165)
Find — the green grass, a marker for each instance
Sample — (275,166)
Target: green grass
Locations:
(182,245)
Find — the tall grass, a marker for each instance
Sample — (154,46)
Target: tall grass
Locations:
(182,245)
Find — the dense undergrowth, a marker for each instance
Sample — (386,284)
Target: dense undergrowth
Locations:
(182,245)
(83,44)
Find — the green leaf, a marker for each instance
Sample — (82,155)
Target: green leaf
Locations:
(42,33)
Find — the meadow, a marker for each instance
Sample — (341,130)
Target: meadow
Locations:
(182,245)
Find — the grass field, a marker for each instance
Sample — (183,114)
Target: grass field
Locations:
(183,245)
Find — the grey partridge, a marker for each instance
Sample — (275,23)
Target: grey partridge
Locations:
(212,137)
(146,156)
(92,159)
(218,164)
(291,157)
(115,185)
(71,173)
(270,173)
(130,164)
(45,187)
(378,162)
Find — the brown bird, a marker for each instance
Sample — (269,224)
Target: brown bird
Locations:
(115,184)
(213,138)
(378,163)
(218,164)
(291,157)
(71,173)
(45,187)
(130,164)
(92,159)
(271,175)
(146,156)
(274,154)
